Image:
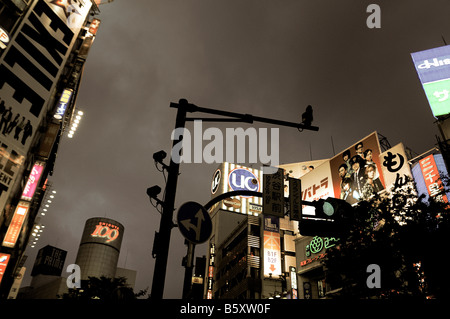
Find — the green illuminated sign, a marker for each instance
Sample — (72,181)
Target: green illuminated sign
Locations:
(438,94)
(318,243)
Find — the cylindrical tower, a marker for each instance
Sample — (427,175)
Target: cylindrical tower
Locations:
(99,249)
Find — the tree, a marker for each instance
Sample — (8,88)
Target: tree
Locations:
(104,288)
(405,235)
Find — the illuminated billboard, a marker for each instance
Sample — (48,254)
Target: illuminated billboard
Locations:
(104,231)
(16,224)
(33,181)
(4,259)
(433,69)
(272,247)
(352,175)
(231,177)
(427,175)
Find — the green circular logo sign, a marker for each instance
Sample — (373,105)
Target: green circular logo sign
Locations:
(316,245)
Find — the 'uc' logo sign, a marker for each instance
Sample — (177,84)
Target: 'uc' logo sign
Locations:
(242,179)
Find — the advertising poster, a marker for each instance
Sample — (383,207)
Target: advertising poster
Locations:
(357,172)
(315,185)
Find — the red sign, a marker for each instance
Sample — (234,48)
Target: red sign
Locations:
(16,225)
(106,230)
(4,259)
(433,181)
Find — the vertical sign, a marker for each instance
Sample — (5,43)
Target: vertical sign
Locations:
(62,104)
(295,198)
(294,288)
(273,194)
(33,181)
(395,166)
(16,224)
(212,254)
(4,259)
(433,181)
(272,247)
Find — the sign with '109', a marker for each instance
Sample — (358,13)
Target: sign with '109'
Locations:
(107,231)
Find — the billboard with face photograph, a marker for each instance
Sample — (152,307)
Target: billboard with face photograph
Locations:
(353,175)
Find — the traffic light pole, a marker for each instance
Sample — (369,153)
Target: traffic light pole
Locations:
(166,223)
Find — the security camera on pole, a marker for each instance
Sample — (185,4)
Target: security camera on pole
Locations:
(162,238)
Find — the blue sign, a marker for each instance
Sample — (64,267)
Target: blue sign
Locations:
(194,222)
(433,68)
(241,179)
(62,104)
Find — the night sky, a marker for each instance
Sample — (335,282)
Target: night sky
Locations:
(266,58)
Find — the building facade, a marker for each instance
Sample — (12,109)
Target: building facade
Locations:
(99,249)
(43,49)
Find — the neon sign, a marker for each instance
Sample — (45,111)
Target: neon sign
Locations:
(106,230)
(315,246)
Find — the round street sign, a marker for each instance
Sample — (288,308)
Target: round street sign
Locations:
(194,222)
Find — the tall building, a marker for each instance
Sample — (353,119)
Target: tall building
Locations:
(43,49)
(99,249)
(250,254)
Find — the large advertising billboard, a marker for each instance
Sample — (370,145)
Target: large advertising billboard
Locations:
(433,69)
(30,67)
(352,175)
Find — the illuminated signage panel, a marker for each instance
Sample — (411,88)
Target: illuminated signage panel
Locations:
(103,231)
(33,181)
(62,104)
(4,38)
(433,69)
(432,178)
(4,259)
(231,177)
(272,247)
(16,225)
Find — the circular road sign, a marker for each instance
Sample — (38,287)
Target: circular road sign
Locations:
(194,222)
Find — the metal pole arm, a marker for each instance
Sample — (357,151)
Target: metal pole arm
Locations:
(247,118)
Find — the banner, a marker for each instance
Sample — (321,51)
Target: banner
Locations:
(16,224)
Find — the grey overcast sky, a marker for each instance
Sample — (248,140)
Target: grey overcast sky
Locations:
(262,57)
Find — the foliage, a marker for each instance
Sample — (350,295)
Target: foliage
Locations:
(104,288)
(405,236)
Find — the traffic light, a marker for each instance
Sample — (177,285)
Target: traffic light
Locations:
(332,217)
